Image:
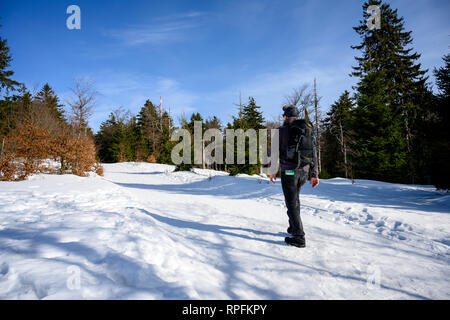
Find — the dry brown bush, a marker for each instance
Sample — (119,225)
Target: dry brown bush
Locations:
(76,154)
(98,169)
(39,136)
(7,167)
(27,147)
(32,146)
(63,148)
(151,158)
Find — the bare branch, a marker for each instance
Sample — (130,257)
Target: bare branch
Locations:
(302,98)
(82,103)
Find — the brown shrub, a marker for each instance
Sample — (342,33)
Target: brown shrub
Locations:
(75,152)
(81,158)
(7,167)
(39,136)
(98,169)
(151,158)
(63,148)
(25,148)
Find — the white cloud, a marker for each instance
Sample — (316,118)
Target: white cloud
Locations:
(159,30)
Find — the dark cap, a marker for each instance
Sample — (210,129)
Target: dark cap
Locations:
(290,111)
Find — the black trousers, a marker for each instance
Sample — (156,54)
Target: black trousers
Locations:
(291,185)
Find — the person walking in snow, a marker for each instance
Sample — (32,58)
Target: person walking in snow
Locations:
(298,163)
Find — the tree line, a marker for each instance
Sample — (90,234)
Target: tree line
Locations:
(391,126)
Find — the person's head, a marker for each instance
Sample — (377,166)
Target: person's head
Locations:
(290,111)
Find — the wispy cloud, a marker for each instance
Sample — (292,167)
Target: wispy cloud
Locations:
(160,30)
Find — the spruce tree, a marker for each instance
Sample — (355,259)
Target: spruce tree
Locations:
(390,95)
(189,126)
(7,104)
(6,83)
(250,118)
(166,145)
(149,122)
(438,132)
(51,101)
(104,140)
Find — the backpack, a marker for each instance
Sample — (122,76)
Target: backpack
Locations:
(301,147)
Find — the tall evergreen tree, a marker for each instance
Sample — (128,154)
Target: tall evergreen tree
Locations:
(6,83)
(51,101)
(166,145)
(438,132)
(390,94)
(250,118)
(7,104)
(104,140)
(149,124)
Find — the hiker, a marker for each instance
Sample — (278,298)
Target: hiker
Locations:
(298,163)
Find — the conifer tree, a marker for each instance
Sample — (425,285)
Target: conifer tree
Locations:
(438,132)
(6,83)
(105,138)
(51,101)
(389,97)
(190,127)
(251,118)
(166,145)
(149,124)
(7,104)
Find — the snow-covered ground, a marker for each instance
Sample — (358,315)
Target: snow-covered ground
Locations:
(145,232)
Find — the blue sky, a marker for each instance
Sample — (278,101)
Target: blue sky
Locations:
(199,55)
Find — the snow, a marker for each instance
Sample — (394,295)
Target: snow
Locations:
(145,232)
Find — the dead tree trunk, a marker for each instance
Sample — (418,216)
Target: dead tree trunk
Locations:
(343,148)
(316,109)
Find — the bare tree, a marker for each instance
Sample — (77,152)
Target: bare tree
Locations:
(121,115)
(307,101)
(82,103)
(302,98)
(240,105)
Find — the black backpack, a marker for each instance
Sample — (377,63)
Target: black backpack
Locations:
(301,146)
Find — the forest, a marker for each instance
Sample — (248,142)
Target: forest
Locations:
(392,126)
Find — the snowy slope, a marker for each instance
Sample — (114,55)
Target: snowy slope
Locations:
(145,232)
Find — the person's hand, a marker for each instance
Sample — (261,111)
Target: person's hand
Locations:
(273,177)
(314,182)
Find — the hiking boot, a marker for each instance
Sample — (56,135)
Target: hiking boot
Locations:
(295,241)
